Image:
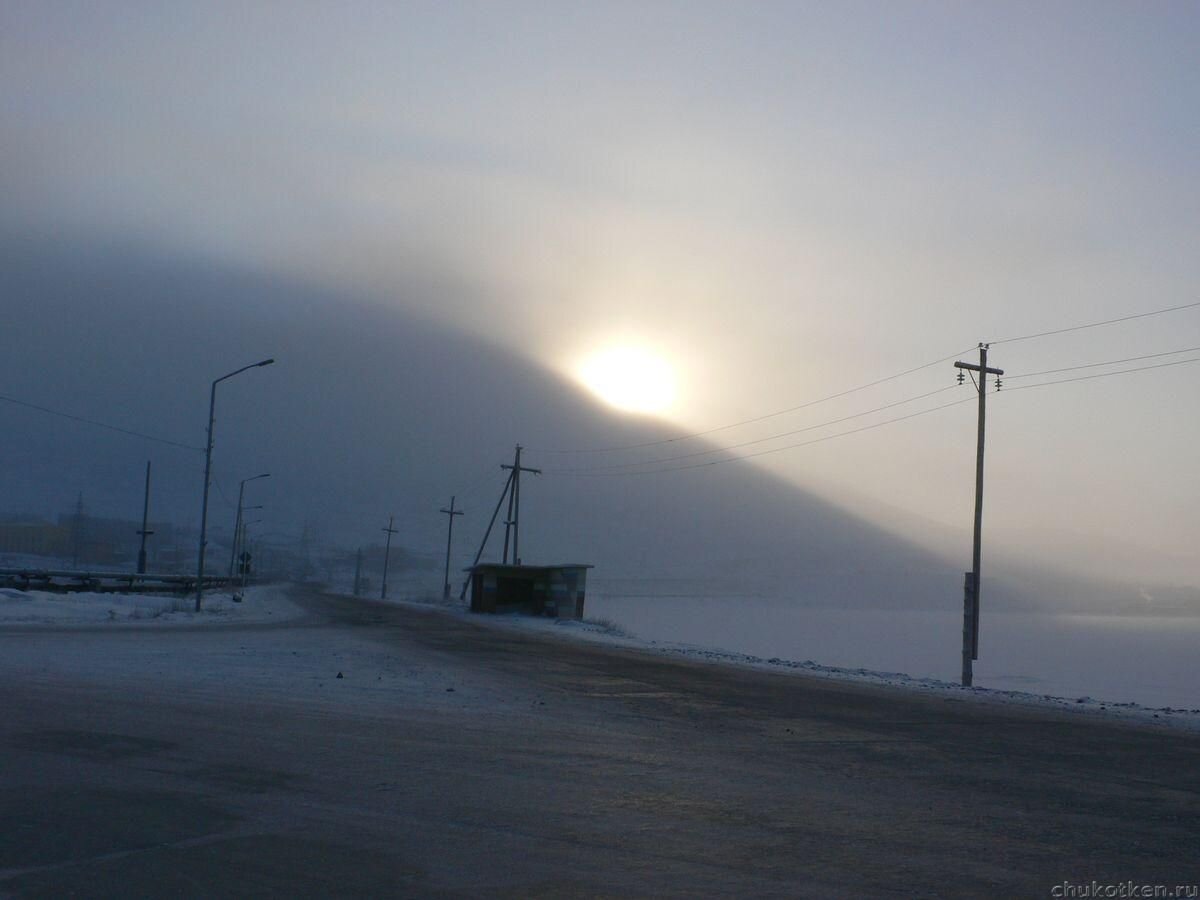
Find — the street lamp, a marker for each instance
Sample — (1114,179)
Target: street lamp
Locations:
(212,408)
(237,523)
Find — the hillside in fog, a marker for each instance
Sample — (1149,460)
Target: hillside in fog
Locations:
(371,411)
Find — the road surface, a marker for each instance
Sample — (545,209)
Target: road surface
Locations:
(451,759)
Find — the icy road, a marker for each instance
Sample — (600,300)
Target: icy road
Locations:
(452,759)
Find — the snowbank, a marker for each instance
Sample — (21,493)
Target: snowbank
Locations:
(605,632)
(263,603)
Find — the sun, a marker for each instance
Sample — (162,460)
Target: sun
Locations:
(631,379)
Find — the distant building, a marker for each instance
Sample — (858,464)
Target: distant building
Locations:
(556,591)
(35,539)
(111,542)
(84,540)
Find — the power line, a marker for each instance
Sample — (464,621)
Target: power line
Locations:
(771,415)
(479,482)
(660,471)
(762,440)
(1181,362)
(715,462)
(1157,312)
(137,434)
(1111,362)
(220,490)
(1026,337)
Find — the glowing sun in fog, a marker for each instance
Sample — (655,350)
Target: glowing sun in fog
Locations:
(631,379)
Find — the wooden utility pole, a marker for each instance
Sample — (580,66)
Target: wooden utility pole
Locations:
(451,513)
(488,533)
(77,532)
(512,490)
(514,507)
(387,552)
(971,587)
(141,564)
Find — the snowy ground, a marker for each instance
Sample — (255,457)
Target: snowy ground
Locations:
(394,750)
(268,603)
(263,603)
(606,632)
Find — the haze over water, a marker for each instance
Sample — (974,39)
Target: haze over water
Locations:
(1147,660)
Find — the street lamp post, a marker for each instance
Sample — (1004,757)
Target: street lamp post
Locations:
(212,408)
(237,523)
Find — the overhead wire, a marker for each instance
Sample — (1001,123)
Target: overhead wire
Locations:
(1129,318)
(483,478)
(730,459)
(659,471)
(751,421)
(597,471)
(221,491)
(474,486)
(1179,362)
(762,440)
(99,424)
(1110,362)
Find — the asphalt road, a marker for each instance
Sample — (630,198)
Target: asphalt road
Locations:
(452,759)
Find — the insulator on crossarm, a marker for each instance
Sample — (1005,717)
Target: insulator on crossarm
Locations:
(998,384)
(961,377)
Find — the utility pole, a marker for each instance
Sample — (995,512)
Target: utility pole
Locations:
(77,532)
(303,550)
(451,513)
(971,587)
(358,572)
(488,533)
(141,564)
(387,551)
(514,507)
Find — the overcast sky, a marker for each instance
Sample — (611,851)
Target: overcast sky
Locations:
(781,201)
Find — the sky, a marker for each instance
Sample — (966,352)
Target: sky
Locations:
(776,202)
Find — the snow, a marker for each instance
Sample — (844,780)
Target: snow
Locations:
(263,603)
(602,631)
(387,674)
(284,662)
